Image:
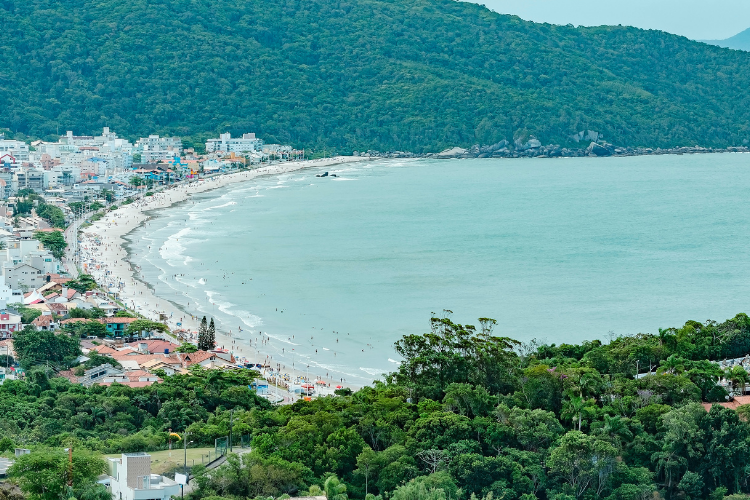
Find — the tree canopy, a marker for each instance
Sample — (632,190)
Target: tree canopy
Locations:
(468,415)
(372,74)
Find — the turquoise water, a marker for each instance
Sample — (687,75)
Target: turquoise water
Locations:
(560,250)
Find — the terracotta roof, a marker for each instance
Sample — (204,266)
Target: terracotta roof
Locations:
(732,405)
(103,349)
(60,309)
(195,357)
(166,360)
(43,320)
(68,374)
(155,346)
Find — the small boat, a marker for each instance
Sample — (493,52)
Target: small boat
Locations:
(325,174)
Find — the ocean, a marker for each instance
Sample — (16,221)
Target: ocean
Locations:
(332,271)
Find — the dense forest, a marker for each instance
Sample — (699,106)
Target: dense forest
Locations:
(416,75)
(468,414)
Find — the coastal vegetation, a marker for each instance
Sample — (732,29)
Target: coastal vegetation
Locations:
(468,414)
(27,200)
(53,241)
(372,74)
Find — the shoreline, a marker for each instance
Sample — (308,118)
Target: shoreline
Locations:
(105,254)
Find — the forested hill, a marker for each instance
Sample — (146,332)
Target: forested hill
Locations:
(414,75)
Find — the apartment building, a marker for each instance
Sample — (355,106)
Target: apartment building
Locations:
(154,148)
(248,143)
(13,152)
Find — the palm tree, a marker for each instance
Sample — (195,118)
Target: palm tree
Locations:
(737,376)
(98,415)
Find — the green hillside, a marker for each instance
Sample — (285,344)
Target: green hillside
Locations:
(357,74)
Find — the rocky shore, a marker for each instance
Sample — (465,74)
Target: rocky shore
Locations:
(534,149)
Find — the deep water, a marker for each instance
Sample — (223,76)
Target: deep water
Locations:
(555,249)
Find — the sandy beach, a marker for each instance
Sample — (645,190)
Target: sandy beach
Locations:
(102,255)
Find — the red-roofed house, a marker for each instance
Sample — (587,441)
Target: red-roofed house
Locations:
(204,359)
(153,346)
(45,322)
(58,309)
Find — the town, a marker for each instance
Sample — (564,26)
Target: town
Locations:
(53,190)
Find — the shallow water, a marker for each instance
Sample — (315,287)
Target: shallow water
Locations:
(556,249)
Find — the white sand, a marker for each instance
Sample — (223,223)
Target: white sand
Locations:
(103,256)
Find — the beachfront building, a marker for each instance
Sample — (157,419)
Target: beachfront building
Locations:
(116,326)
(248,143)
(130,478)
(278,151)
(97,155)
(154,148)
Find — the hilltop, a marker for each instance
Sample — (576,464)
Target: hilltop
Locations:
(414,75)
(740,41)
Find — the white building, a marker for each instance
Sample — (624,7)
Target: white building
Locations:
(13,152)
(277,149)
(66,174)
(6,373)
(226,144)
(76,149)
(131,479)
(154,148)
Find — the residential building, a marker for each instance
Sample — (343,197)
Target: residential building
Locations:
(27,251)
(248,143)
(7,374)
(23,276)
(13,152)
(6,295)
(155,148)
(45,322)
(30,178)
(98,374)
(116,326)
(10,322)
(277,150)
(131,479)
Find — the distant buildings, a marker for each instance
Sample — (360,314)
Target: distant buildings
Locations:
(13,152)
(248,143)
(155,148)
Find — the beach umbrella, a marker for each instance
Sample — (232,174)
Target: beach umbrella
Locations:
(308,386)
(339,387)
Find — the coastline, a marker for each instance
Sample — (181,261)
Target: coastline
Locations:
(105,255)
